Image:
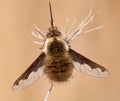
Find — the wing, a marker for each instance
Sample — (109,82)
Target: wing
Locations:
(87,66)
(31,74)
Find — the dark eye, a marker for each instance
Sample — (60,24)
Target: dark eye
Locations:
(58,33)
(49,35)
(53,33)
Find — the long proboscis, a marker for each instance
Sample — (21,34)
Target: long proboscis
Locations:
(51,14)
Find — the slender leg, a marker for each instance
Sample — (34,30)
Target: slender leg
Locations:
(90,30)
(41,34)
(36,42)
(37,35)
(86,21)
(79,30)
(67,27)
(49,91)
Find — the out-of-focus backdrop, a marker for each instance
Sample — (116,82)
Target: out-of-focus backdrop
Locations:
(17,50)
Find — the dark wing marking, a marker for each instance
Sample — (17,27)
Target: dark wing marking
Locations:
(32,74)
(87,66)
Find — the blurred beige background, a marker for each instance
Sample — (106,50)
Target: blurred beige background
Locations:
(17,51)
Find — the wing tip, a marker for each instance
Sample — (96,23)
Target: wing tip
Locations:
(15,88)
(105,74)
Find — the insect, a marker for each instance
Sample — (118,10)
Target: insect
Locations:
(58,60)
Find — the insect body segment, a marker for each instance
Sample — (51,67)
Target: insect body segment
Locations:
(59,69)
(53,32)
(59,65)
(56,48)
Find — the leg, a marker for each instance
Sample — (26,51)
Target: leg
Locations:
(41,34)
(79,29)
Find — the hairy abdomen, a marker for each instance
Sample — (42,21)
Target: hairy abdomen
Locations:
(59,66)
(59,70)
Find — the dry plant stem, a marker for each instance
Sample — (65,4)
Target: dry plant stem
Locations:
(49,91)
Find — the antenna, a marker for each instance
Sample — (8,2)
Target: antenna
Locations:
(51,14)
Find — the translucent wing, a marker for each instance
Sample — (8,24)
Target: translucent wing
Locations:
(31,74)
(87,66)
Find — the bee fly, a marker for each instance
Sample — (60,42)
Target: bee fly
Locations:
(58,60)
